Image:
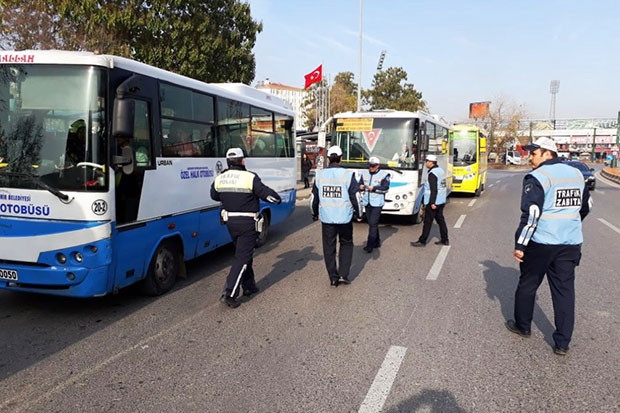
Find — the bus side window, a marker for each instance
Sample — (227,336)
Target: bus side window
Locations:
(142,136)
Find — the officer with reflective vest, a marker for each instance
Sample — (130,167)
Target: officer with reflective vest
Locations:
(335,202)
(548,240)
(374,184)
(435,194)
(239,191)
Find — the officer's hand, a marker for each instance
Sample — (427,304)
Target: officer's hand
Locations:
(315,217)
(518,254)
(358,219)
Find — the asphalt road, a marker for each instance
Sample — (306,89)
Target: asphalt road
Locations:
(418,330)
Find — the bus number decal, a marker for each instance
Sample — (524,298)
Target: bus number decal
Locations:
(99,207)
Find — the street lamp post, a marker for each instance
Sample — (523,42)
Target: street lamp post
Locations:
(359,86)
(594,145)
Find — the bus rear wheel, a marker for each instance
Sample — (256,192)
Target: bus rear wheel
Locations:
(163,269)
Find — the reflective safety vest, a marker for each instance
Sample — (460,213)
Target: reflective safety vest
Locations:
(559,222)
(235,180)
(442,190)
(333,187)
(375,199)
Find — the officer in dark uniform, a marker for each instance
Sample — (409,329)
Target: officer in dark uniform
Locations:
(239,191)
(374,183)
(435,195)
(335,201)
(548,240)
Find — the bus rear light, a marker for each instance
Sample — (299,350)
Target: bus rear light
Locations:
(62,258)
(172,225)
(93,248)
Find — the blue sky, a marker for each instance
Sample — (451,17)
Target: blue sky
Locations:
(455,52)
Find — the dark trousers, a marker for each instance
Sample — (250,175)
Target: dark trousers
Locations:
(431,215)
(373,213)
(344,234)
(243,233)
(306,178)
(558,262)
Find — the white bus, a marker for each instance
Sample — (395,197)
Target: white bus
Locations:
(401,140)
(106,165)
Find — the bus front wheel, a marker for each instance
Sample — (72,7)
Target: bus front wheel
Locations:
(262,236)
(163,269)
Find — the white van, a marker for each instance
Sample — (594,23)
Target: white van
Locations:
(513,158)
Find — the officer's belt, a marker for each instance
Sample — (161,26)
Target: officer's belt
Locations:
(243,214)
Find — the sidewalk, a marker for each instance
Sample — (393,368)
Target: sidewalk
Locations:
(303,193)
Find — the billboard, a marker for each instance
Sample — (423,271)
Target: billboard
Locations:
(479,109)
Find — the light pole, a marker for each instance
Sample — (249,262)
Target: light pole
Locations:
(359,76)
(594,145)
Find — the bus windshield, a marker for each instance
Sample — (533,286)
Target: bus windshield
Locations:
(51,127)
(464,147)
(389,139)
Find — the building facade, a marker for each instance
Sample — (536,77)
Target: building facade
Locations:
(294,95)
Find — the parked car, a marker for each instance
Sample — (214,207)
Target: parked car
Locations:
(586,171)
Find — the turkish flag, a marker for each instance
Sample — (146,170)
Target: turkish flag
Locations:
(313,77)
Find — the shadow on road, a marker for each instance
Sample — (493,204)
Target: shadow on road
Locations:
(501,285)
(432,401)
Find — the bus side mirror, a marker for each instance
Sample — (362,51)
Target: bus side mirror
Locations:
(123,118)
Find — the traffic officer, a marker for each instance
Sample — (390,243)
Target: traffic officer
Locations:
(548,240)
(239,191)
(373,199)
(435,194)
(335,200)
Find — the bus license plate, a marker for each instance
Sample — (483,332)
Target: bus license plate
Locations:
(8,274)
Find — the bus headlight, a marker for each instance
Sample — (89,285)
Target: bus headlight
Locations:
(62,258)
(397,197)
(78,256)
(405,196)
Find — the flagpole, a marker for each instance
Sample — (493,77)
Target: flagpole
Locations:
(359,85)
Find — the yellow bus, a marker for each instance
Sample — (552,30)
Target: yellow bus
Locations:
(469,155)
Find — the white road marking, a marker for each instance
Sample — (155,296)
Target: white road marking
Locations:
(610,225)
(491,186)
(380,388)
(599,192)
(473,201)
(436,268)
(459,222)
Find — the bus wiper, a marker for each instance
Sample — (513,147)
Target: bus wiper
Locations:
(36,180)
(391,168)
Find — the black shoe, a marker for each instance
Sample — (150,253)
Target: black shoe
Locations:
(512,327)
(378,245)
(229,301)
(418,244)
(333,283)
(345,281)
(250,291)
(442,243)
(368,250)
(560,351)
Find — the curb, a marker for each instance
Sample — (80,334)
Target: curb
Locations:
(607,174)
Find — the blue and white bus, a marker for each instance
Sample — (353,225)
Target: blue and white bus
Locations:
(106,165)
(401,140)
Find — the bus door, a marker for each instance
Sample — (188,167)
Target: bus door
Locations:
(135,145)
(419,136)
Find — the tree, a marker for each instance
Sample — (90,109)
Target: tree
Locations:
(502,122)
(343,93)
(390,91)
(209,41)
